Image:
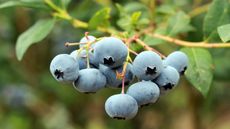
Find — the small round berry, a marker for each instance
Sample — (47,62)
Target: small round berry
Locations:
(144,92)
(147,65)
(178,60)
(86,40)
(121,106)
(64,68)
(90,81)
(111,52)
(168,79)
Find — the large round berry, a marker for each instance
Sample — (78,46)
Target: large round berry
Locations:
(64,68)
(178,60)
(81,57)
(144,92)
(86,40)
(147,65)
(168,79)
(121,106)
(90,81)
(111,52)
(111,75)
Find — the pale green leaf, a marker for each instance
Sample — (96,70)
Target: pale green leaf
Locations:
(224,32)
(217,15)
(33,35)
(28,4)
(178,23)
(100,19)
(200,69)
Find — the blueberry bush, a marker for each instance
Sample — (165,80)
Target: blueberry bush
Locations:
(148,63)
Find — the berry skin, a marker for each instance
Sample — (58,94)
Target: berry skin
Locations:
(82,59)
(178,60)
(168,79)
(64,68)
(85,40)
(147,65)
(121,106)
(111,76)
(144,92)
(90,81)
(111,52)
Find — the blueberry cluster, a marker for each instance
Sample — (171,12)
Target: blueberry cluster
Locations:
(104,63)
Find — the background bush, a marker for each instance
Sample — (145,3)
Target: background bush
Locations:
(31,99)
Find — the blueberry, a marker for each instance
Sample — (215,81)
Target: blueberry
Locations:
(178,60)
(86,40)
(144,92)
(111,77)
(147,65)
(111,52)
(82,59)
(121,106)
(90,81)
(168,79)
(64,68)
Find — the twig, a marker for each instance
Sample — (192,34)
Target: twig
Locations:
(147,47)
(190,44)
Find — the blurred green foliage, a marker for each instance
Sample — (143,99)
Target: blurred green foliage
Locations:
(31,99)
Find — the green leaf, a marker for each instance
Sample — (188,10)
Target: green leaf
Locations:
(34,34)
(100,19)
(28,4)
(178,23)
(62,3)
(224,32)
(135,17)
(166,9)
(200,69)
(155,41)
(217,15)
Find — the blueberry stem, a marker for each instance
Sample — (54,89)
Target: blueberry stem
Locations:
(67,44)
(133,52)
(123,85)
(87,49)
(147,47)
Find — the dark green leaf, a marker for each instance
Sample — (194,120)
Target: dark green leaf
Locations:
(217,15)
(200,69)
(62,3)
(178,23)
(33,35)
(224,32)
(28,4)
(100,19)
(155,41)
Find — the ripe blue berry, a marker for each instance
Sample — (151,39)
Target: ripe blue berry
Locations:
(111,76)
(90,81)
(121,106)
(178,60)
(64,68)
(85,40)
(144,92)
(81,57)
(147,65)
(168,79)
(111,52)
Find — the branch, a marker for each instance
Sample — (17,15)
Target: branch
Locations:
(147,47)
(189,44)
